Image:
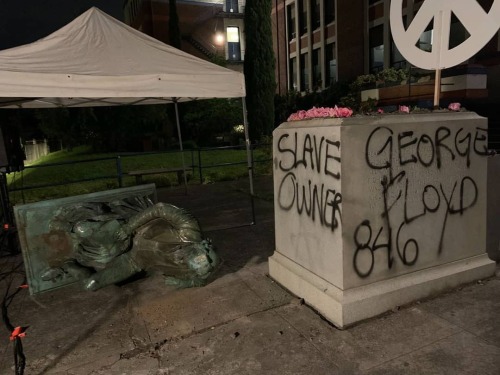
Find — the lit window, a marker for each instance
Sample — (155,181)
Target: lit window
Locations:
(233,35)
(233,43)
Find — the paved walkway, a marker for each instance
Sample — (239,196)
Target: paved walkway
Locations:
(243,322)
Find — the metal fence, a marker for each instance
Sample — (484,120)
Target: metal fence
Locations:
(193,162)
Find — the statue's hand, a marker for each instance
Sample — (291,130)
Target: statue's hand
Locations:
(121,234)
(52,274)
(69,270)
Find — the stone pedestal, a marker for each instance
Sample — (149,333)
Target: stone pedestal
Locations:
(376,212)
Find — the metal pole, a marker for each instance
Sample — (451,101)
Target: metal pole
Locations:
(180,144)
(119,171)
(4,197)
(442,24)
(249,157)
(199,166)
(437,88)
(192,161)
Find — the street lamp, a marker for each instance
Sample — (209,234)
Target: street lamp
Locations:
(219,38)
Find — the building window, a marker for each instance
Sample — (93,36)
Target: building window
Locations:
(329,11)
(232,6)
(330,64)
(397,59)
(315,14)
(291,21)
(425,41)
(233,43)
(458,33)
(376,38)
(303,17)
(316,62)
(292,81)
(304,72)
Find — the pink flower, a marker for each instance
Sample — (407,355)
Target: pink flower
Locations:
(315,112)
(321,112)
(342,112)
(454,107)
(404,109)
(380,111)
(300,115)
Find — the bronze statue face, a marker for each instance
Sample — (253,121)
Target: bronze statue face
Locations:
(202,259)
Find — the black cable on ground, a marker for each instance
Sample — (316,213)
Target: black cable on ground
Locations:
(4,275)
(16,332)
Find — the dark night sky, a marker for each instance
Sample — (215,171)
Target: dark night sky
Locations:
(25,21)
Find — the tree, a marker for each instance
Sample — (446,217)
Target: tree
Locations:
(204,120)
(106,129)
(65,124)
(259,67)
(173,25)
(125,128)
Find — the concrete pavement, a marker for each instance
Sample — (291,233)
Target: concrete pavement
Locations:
(243,322)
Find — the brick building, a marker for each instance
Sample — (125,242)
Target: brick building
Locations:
(209,28)
(318,42)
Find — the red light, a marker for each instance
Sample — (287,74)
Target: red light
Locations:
(6,226)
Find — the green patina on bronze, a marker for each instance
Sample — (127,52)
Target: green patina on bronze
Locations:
(105,242)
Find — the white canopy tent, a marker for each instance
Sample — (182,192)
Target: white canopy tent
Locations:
(97,60)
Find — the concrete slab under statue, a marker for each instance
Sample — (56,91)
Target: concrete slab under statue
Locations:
(375,212)
(107,237)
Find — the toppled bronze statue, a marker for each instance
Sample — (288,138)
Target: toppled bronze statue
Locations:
(113,241)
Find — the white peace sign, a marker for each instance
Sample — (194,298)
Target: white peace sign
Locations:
(481,26)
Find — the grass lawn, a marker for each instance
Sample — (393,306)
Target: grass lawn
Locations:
(80,165)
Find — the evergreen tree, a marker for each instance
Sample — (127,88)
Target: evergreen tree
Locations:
(173,25)
(259,67)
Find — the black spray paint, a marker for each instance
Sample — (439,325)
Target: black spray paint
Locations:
(317,155)
(396,152)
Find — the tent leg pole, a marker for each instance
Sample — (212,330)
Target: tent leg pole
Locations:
(181,146)
(4,198)
(249,159)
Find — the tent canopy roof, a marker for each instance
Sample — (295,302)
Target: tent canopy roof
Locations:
(97,60)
